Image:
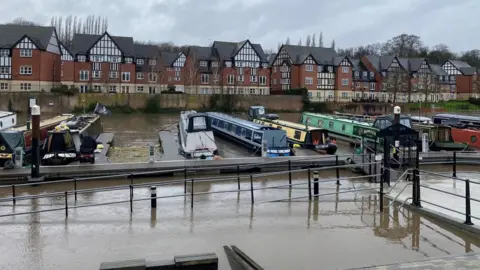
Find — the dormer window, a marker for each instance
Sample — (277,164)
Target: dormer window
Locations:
(82,58)
(384,74)
(330,69)
(228,63)
(440,78)
(364,74)
(128,60)
(214,64)
(320,68)
(152,62)
(265,65)
(4,53)
(372,75)
(203,63)
(140,62)
(356,74)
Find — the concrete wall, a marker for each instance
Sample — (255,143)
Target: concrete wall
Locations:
(59,103)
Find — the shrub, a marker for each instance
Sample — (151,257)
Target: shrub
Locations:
(153,105)
(65,90)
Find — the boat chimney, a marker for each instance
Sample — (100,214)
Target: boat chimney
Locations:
(396,114)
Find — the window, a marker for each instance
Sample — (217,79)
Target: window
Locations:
(345,70)
(114,59)
(203,63)
(112,89)
(345,82)
(83,75)
(139,88)
(308,80)
(82,58)
(4,70)
(372,86)
(214,64)
(320,68)
(113,75)
(204,78)
(230,79)
(253,79)
(25,53)
(3,86)
(152,62)
(125,76)
(253,71)
(97,58)
(228,63)
(364,74)
(372,75)
(140,76)
(97,88)
(330,69)
(308,67)
(252,90)
(128,60)
(274,69)
(83,88)
(96,74)
(263,80)
(140,62)
(357,85)
(240,78)
(356,74)
(152,77)
(344,95)
(26,70)
(4,53)
(25,86)
(365,85)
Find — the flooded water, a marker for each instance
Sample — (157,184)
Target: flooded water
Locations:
(295,234)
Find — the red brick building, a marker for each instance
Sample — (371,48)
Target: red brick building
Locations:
(29,58)
(464,76)
(227,67)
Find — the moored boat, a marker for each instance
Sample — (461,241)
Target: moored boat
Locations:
(256,137)
(195,136)
(7,120)
(21,137)
(469,136)
(440,138)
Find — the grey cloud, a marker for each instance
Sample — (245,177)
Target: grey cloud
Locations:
(268,22)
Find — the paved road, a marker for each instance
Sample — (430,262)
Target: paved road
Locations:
(471,261)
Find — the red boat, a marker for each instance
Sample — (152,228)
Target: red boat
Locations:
(467,135)
(22,137)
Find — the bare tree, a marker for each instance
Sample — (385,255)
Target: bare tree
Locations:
(427,84)
(287,42)
(300,42)
(308,41)
(279,46)
(314,42)
(70,25)
(333,44)
(320,40)
(397,80)
(22,21)
(191,72)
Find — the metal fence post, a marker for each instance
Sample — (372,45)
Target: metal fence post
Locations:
(66,203)
(251,188)
(131,198)
(185,173)
(289,172)
(191,202)
(337,169)
(153,196)
(382,176)
(468,210)
(238,177)
(131,178)
(315,184)
(75,187)
(419,200)
(185,186)
(13,194)
(454,163)
(309,189)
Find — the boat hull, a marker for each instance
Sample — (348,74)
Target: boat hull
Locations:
(468,136)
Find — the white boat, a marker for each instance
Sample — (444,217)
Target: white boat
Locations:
(421,120)
(196,136)
(7,120)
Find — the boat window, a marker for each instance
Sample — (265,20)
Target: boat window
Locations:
(238,131)
(257,137)
(243,132)
(220,123)
(225,125)
(473,139)
(406,122)
(248,134)
(232,128)
(199,123)
(330,124)
(214,121)
(1,124)
(297,135)
(343,127)
(320,123)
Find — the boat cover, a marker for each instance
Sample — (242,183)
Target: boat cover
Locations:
(11,139)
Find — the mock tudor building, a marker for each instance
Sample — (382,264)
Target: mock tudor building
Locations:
(227,67)
(29,58)
(464,77)
(173,75)
(327,77)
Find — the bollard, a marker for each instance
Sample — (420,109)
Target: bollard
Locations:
(66,203)
(191,202)
(13,194)
(454,163)
(414,188)
(185,173)
(309,189)
(251,189)
(131,178)
(185,186)
(75,187)
(337,170)
(35,168)
(153,196)
(382,171)
(468,209)
(419,201)
(131,198)
(315,184)
(238,177)
(289,172)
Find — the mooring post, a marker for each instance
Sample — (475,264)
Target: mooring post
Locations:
(468,209)
(337,169)
(131,198)
(309,189)
(13,194)
(251,188)
(382,176)
(153,196)
(289,172)
(315,184)
(185,173)
(185,186)
(66,203)
(419,199)
(131,178)
(75,187)
(454,163)
(414,188)
(35,169)
(191,201)
(238,177)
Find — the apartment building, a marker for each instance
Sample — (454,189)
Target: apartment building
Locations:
(326,76)
(464,77)
(227,67)
(364,81)
(29,58)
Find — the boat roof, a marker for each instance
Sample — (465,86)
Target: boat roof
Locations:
(5,113)
(339,118)
(49,121)
(458,116)
(292,124)
(420,118)
(239,121)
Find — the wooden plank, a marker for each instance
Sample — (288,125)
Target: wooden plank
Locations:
(48,122)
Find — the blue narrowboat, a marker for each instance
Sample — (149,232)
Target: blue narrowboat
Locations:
(251,135)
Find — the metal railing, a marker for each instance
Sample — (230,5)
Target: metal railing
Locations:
(186,182)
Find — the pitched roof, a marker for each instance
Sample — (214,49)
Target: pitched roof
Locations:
(416,63)
(39,35)
(83,42)
(169,58)
(226,50)
(271,58)
(298,54)
(438,70)
(201,53)
(146,51)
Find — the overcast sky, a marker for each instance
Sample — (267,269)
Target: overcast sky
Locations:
(349,22)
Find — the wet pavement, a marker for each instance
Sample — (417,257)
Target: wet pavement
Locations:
(470,261)
(278,235)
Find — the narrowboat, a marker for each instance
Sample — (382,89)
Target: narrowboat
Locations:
(456,120)
(21,137)
(421,120)
(195,136)
(440,138)
(297,134)
(63,144)
(469,136)
(7,120)
(262,140)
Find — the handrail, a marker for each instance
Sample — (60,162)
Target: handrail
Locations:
(399,193)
